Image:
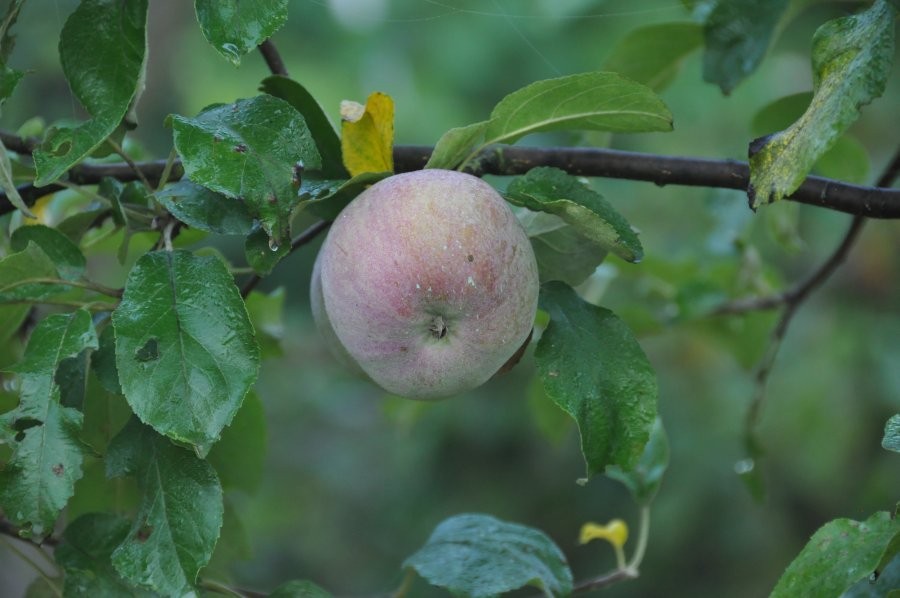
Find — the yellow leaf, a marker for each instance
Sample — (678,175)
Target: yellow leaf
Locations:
(615,532)
(367,135)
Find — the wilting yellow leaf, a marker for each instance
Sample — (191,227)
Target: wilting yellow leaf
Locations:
(615,532)
(367,134)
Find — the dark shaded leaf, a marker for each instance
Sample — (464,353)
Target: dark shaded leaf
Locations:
(479,556)
(737,34)
(299,589)
(653,54)
(594,369)
(198,207)
(178,520)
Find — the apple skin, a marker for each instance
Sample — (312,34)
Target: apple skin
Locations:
(428,282)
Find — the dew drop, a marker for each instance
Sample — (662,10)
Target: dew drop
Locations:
(231,50)
(273,244)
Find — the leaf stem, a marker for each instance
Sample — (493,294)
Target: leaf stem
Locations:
(405,585)
(81,284)
(643,535)
(121,152)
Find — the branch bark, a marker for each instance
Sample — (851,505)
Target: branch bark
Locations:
(872,202)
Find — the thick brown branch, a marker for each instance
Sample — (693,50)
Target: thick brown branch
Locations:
(873,202)
(273,58)
(8,529)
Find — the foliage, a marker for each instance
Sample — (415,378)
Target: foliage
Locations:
(133,411)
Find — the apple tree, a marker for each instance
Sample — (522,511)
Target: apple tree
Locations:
(135,338)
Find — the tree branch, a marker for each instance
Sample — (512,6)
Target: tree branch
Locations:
(873,202)
(273,58)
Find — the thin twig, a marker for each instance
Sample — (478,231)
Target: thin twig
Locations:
(272,58)
(134,167)
(791,300)
(302,239)
(603,581)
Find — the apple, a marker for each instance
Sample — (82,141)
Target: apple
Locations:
(427,282)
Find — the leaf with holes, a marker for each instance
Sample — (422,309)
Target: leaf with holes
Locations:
(179,516)
(40,476)
(851,63)
(250,151)
(479,556)
(594,369)
(102,48)
(235,28)
(185,349)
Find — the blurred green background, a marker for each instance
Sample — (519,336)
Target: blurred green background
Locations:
(354,482)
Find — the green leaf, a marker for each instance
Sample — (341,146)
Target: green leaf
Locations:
(178,520)
(886,586)
(851,62)
(891,440)
(562,252)
(250,150)
(587,101)
(102,48)
(299,589)
(479,556)
(40,476)
(235,28)
(85,555)
(103,362)
(839,554)
(323,132)
(846,160)
(267,316)
(27,277)
(326,198)
(594,369)
(262,254)
(552,190)
(737,34)
(7,184)
(198,207)
(239,456)
(67,257)
(653,54)
(456,144)
(185,350)
(644,480)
